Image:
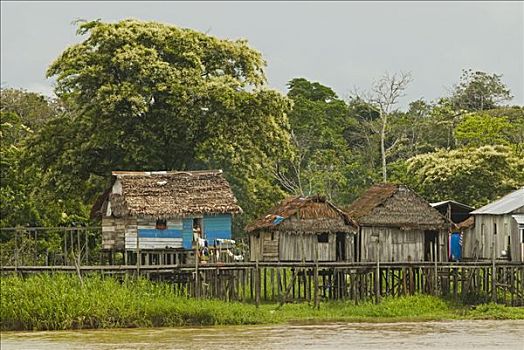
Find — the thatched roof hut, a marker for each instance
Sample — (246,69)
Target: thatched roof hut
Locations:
(302,228)
(396,224)
(164,194)
(165,209)
(304,214)
(394,205)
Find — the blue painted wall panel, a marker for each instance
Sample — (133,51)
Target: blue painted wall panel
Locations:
(217,226)
(187,233)
(153,233)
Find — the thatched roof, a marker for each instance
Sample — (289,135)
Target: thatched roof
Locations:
(313,214)
(168,194)
(469,222)
(393,205)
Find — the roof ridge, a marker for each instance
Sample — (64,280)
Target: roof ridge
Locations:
(164,172)
(289,206)
(492,207)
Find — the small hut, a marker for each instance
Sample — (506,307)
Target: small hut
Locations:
(159,213)
(497,229)
(455,211)
(302,229)
(396,224)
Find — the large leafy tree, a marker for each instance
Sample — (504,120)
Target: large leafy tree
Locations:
(479,91)
(483,129)
(474,176)
(515,116)
(33,110)
(23,199)
(144,96)
(15,204)
(322,159)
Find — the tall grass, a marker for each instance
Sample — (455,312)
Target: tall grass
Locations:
(61,301)
(49,302)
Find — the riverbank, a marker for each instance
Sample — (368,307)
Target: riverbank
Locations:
(60,302)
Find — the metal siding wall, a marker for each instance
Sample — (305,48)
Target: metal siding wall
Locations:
(217,226)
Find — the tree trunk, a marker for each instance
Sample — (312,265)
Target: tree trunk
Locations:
(382,145)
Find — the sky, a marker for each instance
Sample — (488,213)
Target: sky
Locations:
(344,45)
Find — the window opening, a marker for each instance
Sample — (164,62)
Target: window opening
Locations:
(323,238)
(161,224)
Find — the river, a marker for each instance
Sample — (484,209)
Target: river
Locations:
(416,335)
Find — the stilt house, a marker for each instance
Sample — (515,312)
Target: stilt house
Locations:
(396,224)
(456,213)
(496,230)
(303,229)
(160,213)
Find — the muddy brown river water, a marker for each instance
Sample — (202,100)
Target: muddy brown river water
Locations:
(420,335)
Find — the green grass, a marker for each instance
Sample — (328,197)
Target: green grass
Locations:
(60,301)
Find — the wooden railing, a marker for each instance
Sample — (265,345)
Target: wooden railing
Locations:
(501,282)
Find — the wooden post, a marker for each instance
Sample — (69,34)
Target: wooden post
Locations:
(289,287)
(315,283)
(435,288)
(377,282)
(66,259)
(79,247)
(16,249)
(138,257)
(257,284)
(272,278)
(72,245)
(264,273)
(87,247)
(197,273)
(279,284)
(35,258)
(493,275)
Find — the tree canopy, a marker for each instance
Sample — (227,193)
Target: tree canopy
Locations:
(470,175)
(149,96)
(136,95)
(478,91)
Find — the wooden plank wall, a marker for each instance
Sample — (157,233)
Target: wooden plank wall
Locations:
(480,241)
(114,231)
(286,246)
(393,244)
(295,247)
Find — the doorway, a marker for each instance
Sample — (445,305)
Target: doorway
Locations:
(341,246)
(430,246)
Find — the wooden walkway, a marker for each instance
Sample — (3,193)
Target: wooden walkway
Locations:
(501,282)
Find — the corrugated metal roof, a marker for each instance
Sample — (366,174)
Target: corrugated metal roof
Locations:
(519,218)
(504,205)
(462,205)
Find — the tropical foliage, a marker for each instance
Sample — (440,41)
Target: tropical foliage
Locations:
(147,96)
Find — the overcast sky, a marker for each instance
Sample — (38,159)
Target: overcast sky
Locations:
(340,44)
